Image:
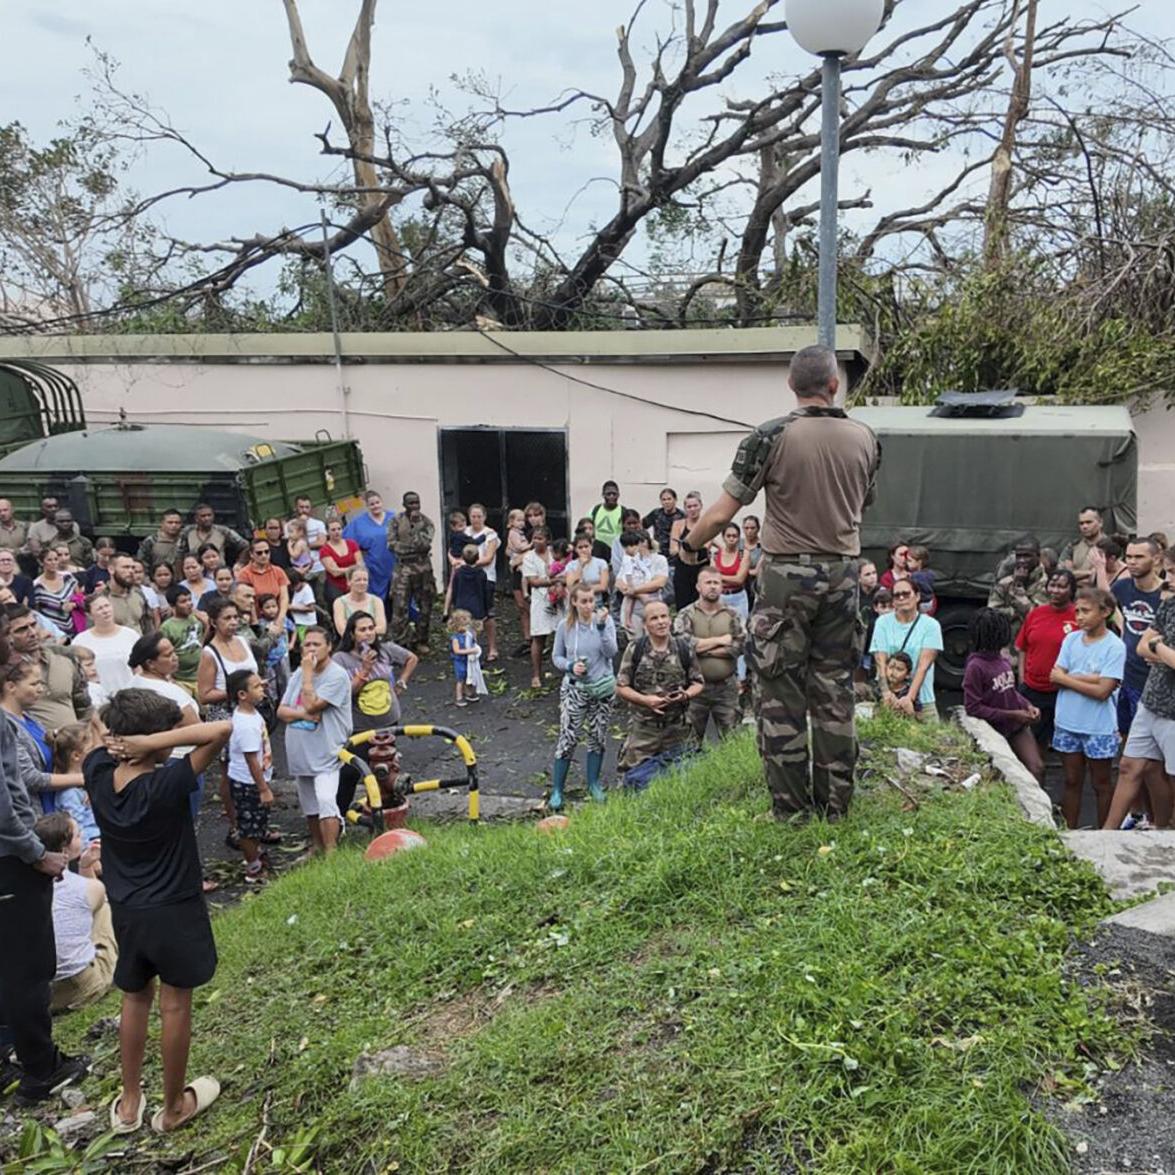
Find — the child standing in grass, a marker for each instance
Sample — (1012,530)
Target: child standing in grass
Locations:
(1087,674)
(151,869)
(464,650)
(250,769)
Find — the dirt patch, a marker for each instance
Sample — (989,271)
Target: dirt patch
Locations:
(440,1023)
(1131,1125)
(661,945)
(436,1028)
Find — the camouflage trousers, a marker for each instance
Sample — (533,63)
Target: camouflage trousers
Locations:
(718,700)
(412,581)
(804,640)
(650,736)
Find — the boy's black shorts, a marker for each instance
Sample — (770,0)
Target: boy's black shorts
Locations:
(173,942)
(252,814)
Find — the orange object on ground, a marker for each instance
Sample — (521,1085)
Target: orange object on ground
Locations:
(550,824)
(395,841)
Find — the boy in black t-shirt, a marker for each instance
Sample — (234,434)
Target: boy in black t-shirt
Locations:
(151,869)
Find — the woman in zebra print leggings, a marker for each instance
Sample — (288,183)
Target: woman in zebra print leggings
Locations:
(585,644)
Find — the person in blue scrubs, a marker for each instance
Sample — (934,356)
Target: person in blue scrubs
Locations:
(370,531)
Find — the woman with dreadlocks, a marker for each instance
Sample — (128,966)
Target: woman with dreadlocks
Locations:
(989,689)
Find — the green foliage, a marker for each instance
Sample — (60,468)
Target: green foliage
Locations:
(41,1152)
(69,234)
(669,984)
(1016,327)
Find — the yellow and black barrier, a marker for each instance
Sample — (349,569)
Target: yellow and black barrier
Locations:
(370,786)
(407,788)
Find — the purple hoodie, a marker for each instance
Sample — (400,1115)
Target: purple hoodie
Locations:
(989,691)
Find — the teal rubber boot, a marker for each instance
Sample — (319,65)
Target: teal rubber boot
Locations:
(595,763)
(558,779)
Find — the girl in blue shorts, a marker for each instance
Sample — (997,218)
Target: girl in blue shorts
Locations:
(1088,672)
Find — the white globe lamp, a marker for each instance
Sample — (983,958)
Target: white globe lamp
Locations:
(834,26)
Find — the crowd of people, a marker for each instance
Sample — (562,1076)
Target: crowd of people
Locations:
(1061,660)
(126,677)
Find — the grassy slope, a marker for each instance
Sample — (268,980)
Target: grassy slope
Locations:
(669,985)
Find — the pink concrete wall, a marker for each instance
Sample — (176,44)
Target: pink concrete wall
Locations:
(395,410)
(1156,474)
(644,442)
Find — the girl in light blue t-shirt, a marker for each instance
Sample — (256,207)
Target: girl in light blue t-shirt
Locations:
(1088,672)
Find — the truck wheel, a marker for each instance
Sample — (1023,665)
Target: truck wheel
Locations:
(955,621)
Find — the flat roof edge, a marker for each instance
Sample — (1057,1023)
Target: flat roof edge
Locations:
(750,344)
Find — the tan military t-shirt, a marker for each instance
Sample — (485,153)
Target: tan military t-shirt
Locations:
(818,477)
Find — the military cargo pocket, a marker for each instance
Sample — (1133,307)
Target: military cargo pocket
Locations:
(768,649)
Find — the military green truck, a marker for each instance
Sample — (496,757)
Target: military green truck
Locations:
(118,480)
(968,478)
(35,401)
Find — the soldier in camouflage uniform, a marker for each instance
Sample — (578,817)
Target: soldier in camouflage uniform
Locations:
(818,469)
(666,680)
(411,537)
(1015,595)
(717,633)
(163,545)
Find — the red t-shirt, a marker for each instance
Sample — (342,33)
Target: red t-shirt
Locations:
(1040,636)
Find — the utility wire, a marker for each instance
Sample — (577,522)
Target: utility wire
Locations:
(587,383)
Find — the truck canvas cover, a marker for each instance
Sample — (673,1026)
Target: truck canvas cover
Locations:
(969,487)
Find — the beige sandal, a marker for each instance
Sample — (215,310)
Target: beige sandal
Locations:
(117,1125)
(205,1090)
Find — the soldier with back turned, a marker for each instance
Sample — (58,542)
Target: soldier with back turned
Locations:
(818,470)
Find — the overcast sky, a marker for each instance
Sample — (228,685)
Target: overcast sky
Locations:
(219,68)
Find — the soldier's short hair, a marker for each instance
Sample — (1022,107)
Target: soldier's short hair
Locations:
(812,370)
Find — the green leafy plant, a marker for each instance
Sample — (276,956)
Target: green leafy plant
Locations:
(41,1151)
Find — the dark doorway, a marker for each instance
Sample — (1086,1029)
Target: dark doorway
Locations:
(504,468)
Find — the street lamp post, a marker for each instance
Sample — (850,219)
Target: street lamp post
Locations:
(831,29)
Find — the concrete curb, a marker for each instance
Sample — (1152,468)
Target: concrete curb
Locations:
(1034,801)
(1129,864)
(1154,917)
